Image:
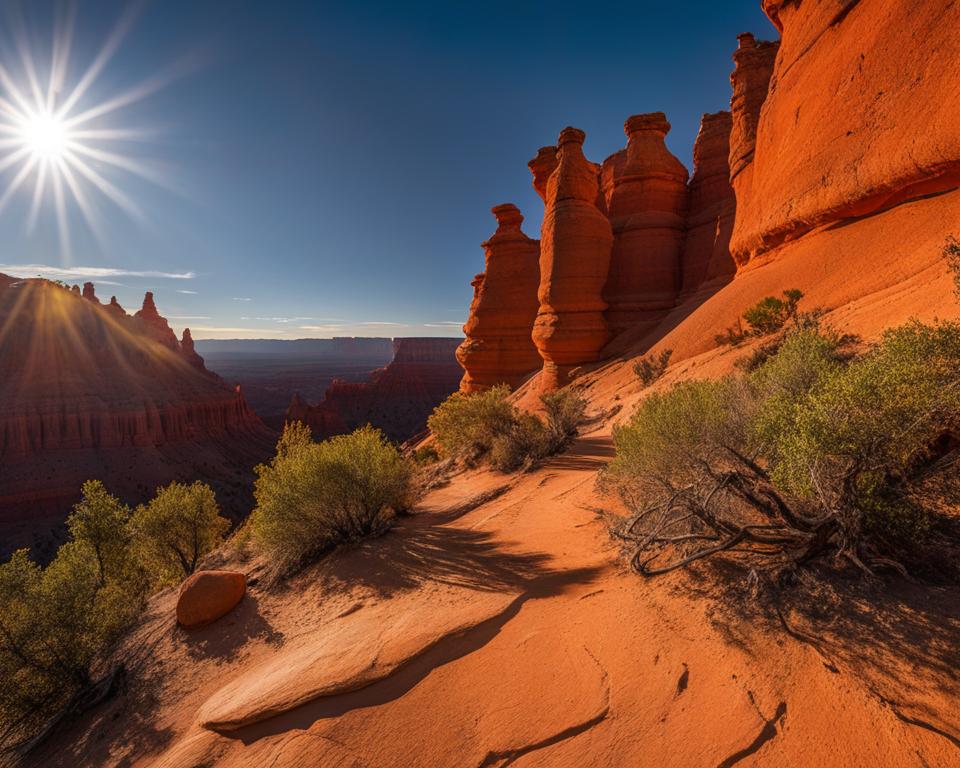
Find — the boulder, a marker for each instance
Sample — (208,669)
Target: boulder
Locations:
(205,596)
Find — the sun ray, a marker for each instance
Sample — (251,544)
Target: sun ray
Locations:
(108,189)
(37,197)
(63,223)
(79,196)
(17,181)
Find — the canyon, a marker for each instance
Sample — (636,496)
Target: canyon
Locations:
(90,392)
(498,624)
(397,399)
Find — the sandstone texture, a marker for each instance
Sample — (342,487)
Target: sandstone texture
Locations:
(646,208)
(706,249)
(499,348)
(575,247)
(205,596)
(542,166)
(189,352)
(861,115)
(152,324)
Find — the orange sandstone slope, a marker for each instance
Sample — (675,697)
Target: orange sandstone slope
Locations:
(88,392)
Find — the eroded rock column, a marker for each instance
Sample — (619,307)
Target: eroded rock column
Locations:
(499,348)
(647,207)
(574,262)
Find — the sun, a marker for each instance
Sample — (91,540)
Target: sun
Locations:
(67,147)
(46,136)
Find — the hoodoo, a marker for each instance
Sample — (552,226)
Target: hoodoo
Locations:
(154,325)
(753,68)
(574,263)
(712,206)
(646,209)
(542,166)
(499,348)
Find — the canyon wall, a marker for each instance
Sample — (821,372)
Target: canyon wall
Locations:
(861,114)
(397,399)
(90,392)
(851,114)
(499,348)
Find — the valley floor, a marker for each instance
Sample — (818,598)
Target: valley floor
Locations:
(498,625)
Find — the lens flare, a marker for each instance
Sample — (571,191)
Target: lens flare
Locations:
(66,147)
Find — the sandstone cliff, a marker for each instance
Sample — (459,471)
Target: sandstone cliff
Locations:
(397,399)
(498,348)
(91,395)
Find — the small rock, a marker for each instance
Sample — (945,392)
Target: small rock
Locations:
(207,595)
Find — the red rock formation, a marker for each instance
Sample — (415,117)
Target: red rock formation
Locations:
(397,399)
(753,68)
(88,397)
(205,596)
(706,250)
(89,293)
(153,324)
(542,166)
(574,262)
(116,310)
(189,352)
(498,348)
(646,209)
(861,115)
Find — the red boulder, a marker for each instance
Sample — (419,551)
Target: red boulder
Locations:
(207,595)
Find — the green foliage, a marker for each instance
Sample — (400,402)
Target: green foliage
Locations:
(767,316)
(810,452)
(487,425)
(313,496)
(951,254)
(426,454)
(467,425)
(564,411)
(176,528)
(651,367)
(55,622)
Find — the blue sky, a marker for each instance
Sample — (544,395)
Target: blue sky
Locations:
(322,169)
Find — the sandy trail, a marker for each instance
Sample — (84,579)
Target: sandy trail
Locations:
(531,645)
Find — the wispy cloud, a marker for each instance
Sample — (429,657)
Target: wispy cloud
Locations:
(45,270)
(444,324)
(382,322)
(241,298)
(189,293)
(282,320)
(321,328)
(189,317)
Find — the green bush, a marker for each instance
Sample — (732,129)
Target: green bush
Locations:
(467,425)
(951,254)
(651,367)
(313,496)
(56,622)
(767,316)
(810,454)
(487,425)
(176,528)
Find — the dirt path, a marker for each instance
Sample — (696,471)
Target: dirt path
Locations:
(498,626)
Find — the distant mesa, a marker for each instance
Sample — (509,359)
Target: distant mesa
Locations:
(95,393)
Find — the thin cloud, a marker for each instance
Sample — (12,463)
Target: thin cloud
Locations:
(384,322)
(189,293)
(241,298)
(45,270)
(320,328)
(444,324)
(189,317)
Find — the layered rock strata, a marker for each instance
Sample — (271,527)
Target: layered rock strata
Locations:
(575,247)
(647,206)
(499,348)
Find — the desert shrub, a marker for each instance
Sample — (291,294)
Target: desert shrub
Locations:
(466,425)
(426,454)
(951,254)
(767,316)
(651,367)
(176,528)
(527,441)
(812,454)
(564,411)
(313,496)
(486,425)
(57,622)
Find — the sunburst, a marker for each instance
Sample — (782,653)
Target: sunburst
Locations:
(53,139)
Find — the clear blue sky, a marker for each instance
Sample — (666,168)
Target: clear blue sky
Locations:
(328,168)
